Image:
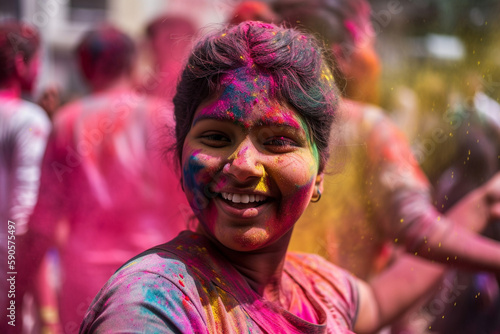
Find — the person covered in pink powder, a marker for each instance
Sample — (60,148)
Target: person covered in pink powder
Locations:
(24,130)
(254,112)
(169,40)
(107,190)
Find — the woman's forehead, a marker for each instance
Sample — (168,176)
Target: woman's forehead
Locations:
(248,98)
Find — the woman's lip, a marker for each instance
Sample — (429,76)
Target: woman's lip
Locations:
(244,197)
(249,212)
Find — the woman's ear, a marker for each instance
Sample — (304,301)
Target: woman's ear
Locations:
(319,182)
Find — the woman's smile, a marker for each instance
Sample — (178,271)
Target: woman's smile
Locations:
(242,205)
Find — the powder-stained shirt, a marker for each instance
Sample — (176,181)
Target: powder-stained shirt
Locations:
(187,286)
(24,129)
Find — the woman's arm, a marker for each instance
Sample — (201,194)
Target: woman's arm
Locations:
(410,278)
(402,204)
(394,291)
(455,240)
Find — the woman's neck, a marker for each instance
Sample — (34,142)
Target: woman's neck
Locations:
(263,268)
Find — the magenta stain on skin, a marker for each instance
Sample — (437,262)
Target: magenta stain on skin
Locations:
(243,88)
(276,116)
(300,196)
(198,178)
(220,182)
(240,153)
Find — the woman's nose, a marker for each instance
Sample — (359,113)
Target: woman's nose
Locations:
(244,163)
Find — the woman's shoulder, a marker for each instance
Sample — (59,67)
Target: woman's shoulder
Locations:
(150,287)
(169,260)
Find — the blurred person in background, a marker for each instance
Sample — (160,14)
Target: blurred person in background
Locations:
(24,130)
(464,156)
(107,192)
(253,11)
(169,39)
(50,100)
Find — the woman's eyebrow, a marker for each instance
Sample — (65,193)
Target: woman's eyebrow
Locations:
(278,121)
(282,121)
(227,116)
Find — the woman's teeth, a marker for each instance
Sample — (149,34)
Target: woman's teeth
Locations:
(243,198)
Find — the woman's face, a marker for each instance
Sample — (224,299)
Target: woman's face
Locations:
(249,167)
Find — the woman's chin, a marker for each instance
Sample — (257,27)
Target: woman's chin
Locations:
(244,240)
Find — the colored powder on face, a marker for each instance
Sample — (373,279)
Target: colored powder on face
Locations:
(262,186)
(312,144)
(190,170)
(244,88)
(199,182)
(219,181)
(302,193)
(238,153)
(315,153)
(276,116)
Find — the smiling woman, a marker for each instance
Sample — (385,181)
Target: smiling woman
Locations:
(254,110)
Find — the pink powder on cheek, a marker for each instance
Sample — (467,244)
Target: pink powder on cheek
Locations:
(198,176)
(220,181)
(296,203)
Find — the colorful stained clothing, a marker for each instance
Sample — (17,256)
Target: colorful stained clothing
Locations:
(24,129)
(374,192)
(187,286)
(107,192)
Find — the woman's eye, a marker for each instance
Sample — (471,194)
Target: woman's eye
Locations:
(215,139)
(281,143)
